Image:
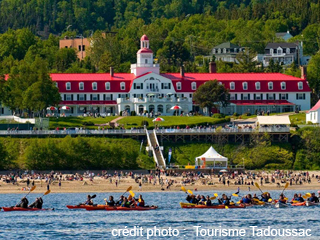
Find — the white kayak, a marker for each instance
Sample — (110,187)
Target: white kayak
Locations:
(308,204)
(280,205)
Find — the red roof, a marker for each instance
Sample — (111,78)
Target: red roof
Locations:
(88,102)
(315,107)
(262,102)
(144,38)
(145,50)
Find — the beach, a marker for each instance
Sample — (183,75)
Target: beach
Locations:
(99,184)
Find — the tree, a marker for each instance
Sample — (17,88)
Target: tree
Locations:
(314,73)
(246,62)
(274,67)
(211,94)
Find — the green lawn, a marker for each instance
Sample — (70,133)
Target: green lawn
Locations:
(129,122)
(298,118)
(78,122)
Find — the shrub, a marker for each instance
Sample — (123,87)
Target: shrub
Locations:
(88,123)
(218,115)
(133,113)
(235,114)
(309,123)
(144,123)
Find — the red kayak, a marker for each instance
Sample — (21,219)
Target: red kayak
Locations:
(77,206)
(217,206)
(136,208)
(99,207)
(298,204)
(11,209)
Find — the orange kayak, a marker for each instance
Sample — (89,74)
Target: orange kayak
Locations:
(76,206)
(94,208)
(218,206)
(136,208)
(298,204)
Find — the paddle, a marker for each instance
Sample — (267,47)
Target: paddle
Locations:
(46,193)
(184,189)
(190,192)
(235,195)
(257,185)
(93,196)
(128,189)
(132,193)
(31,189)
(285,186)
(213,198)
(226,207)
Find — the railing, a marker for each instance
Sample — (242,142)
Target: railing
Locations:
(144,65)
(223,130)
(189,167)
(151,147)
(162,158)
(71,132)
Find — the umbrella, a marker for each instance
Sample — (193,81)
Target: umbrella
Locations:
(170,93)
(223,170)
(158,119)
(151,94)
(52,108)
(176,108)
(65,108)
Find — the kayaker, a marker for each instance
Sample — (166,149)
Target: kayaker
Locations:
(299,198)
(202,200)
(264,198)
(23,203)
(111,202)
(313,198)
(140,201)
(125,202)
(89,201)
(255,197)
(208,201)
(193,199)
(247,199)
(225,200)
(282,199)
(37,203)
(120,201)
(295,196)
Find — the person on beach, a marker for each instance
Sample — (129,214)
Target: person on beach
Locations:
(37,203)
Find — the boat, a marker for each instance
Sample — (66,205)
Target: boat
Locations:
(12,209)
(309,204)
(297,204)
(136,208)
(280,205)
(216,206)
(77,206)
(97,207)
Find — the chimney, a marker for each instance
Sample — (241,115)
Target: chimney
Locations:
(111,71)
(182,71)
(212,67)
(303,70)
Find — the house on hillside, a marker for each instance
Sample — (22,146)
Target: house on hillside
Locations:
(313,115)
(284,35)
(226,52)
(284,53)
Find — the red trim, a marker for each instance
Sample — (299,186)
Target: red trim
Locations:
(315,107)
(262,102)
(88,102)
(144,38)
(145,50)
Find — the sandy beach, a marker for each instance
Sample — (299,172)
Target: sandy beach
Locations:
(99,185)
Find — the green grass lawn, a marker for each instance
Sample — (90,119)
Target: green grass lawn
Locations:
(69,122)
(298,118)
(129,122)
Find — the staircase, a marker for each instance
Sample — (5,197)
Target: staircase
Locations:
(157,154)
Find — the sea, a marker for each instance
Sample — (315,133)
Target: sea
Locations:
(169,221)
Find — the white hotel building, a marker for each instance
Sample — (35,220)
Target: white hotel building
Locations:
(146,89)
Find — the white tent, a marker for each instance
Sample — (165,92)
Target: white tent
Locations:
(212,159)
(273,120)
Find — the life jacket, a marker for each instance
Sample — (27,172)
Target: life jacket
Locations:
(111,203)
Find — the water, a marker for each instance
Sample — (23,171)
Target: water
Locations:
(63,223)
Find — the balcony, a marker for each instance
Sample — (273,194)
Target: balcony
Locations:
(144,65)
(154,100)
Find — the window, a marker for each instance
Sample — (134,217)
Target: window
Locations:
(300,85)
(232,97)
(214,51)
(257,96)
(270,85)
(94,97)
(245,86)
(219,50)
(283,86)
(301,96)
(79,48)
(165,85)
(122,86)
(232,86)
(288,50)
(68,86)
(283,96)
(178,85)
(138,86)
(68,97)
(146,61)
(235,50)
(271,51)
(279,51)
(81,86)
(257,85)
(94,86)
(271,96)
(107,85)
(83,47)
(193,86)
(108,97)
(224,50)
(81,97)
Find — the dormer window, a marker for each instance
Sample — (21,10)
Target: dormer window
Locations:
(283,86)
(245,86)
(224,50)
(219,50)
(178,85)
(300,85)
(279,51)
(270,85)
(214,51)
(107,85)
(122,86)
(235,50)
(257,85)
(81,86)
(94,86)
(68,86)
(194,86)
(271,51)
(232,86)
(288,50)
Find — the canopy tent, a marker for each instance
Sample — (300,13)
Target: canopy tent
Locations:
(273,120)
(211,159)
